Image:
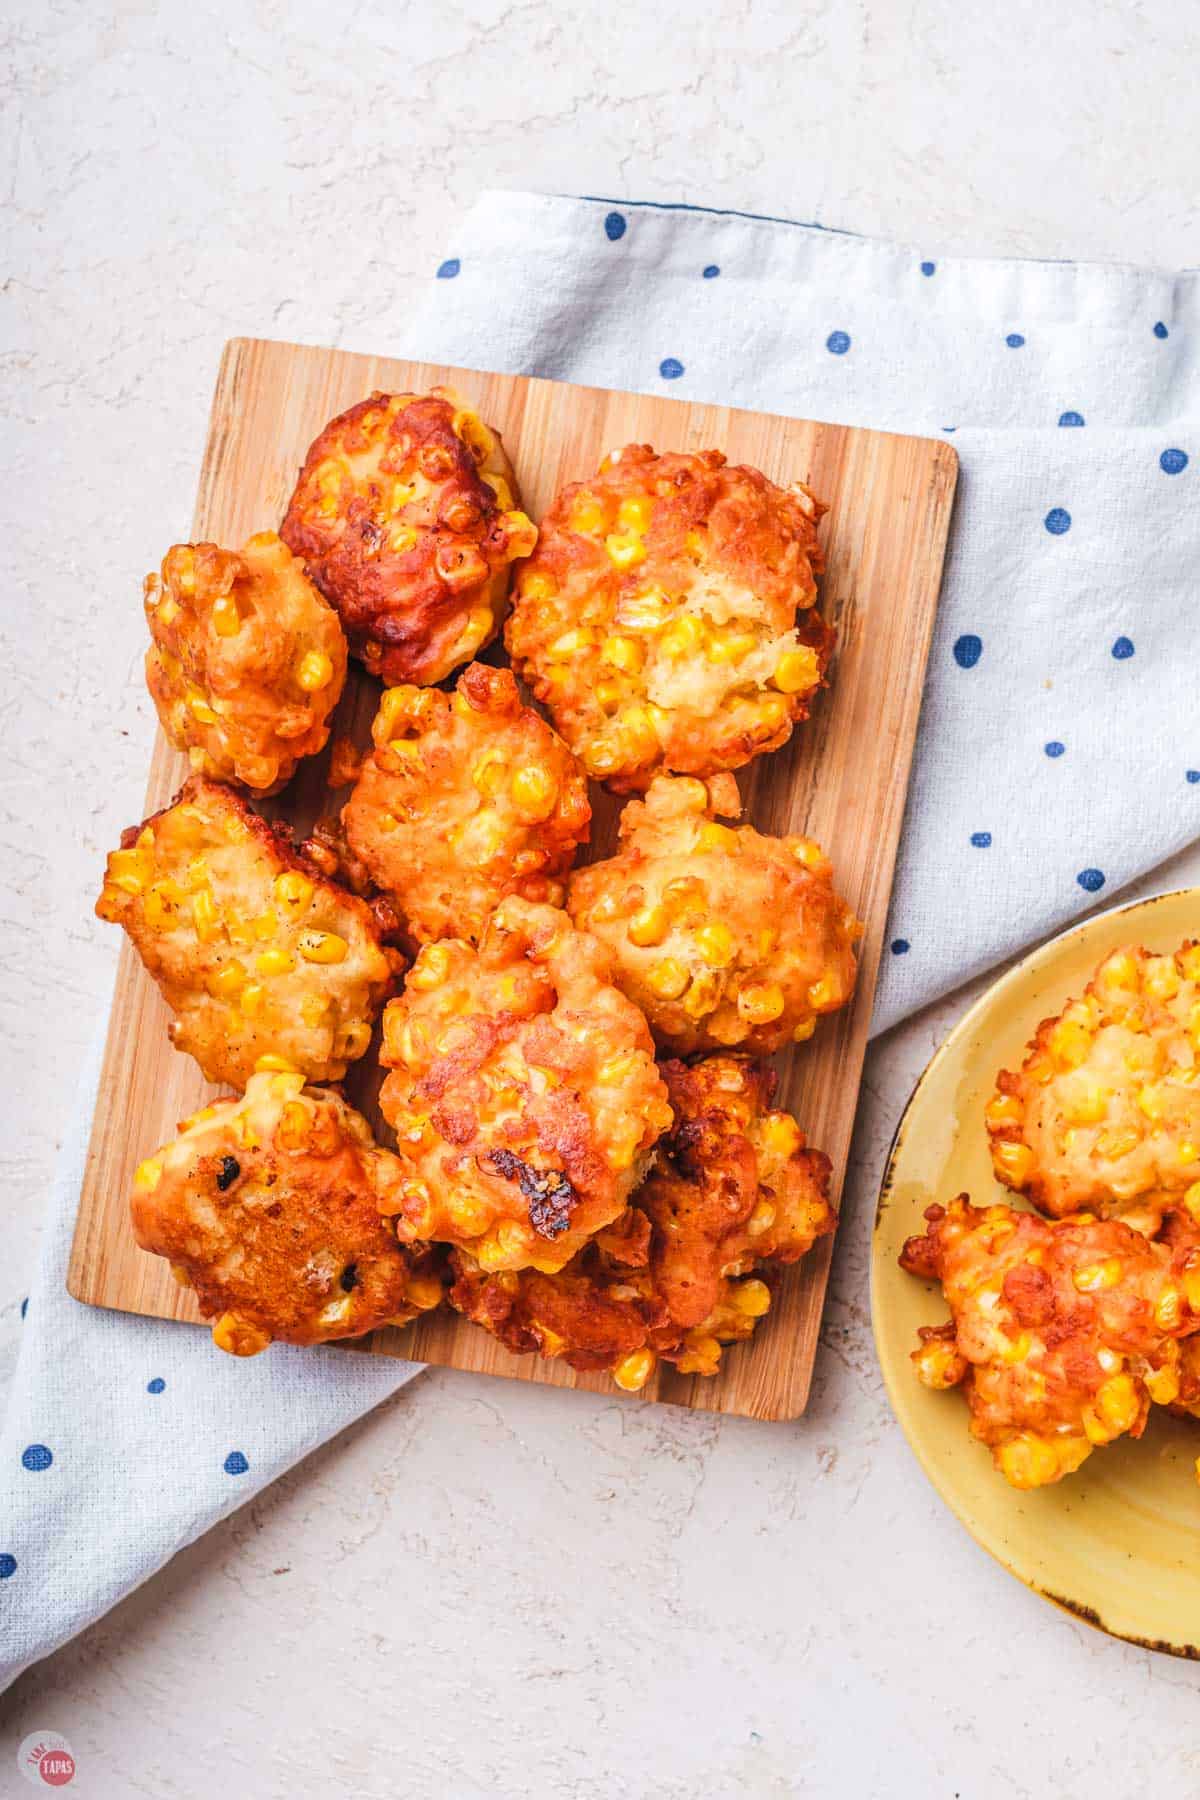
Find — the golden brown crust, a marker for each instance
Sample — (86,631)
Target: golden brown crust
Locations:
(667,618)
(405,515)
(247,661)
(268,1208)
(465,799)
(1104,1113)
(722,935)
(523,1091)
(256,952)
(1061,1335)
(734,1190)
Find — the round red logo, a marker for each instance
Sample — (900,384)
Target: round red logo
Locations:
(45,1760)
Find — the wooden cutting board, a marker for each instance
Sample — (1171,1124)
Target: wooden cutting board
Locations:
(842,780)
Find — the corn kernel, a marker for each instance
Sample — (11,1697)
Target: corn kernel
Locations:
(804,1031)
(204,916)
(228,980)
(715,944)
(271,1063)
(1070,1043)
(227,620)
(313,1008)
(761,1219)
(797,670)
(1168,1308)
(148,1174)
(1189,962)
(322,947)
(252,998)
(1028,1461)
(695,544)
(1162,1385)
(588,514)
(780,1134)
(274,962)
(624,653)
(635,512)
(712,836)
(938,1364)
(1096,1277)
(1121,970)
(540,585)
(1113,1145)
(1117,1403)
(701,996)
(201,710)
(649,926)
(293,890)
(634,1371)
(751,1298)
(682,637)
(570,643)
(760,1002)
(625,549)
(730,646)
(239,1337)
(534,792)
(1191,1200)
(668,979)
(1004,1109)
(1152,1102)
(1087,1105)
(430,969)
(1013,1163)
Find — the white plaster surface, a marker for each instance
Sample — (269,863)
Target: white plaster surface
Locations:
(487,1589)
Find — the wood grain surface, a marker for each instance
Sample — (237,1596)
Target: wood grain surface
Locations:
(842,780)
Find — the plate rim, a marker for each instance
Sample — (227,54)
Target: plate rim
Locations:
(1079,1609)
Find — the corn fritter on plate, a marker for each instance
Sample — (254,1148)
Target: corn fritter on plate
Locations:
(466,798)
(724,936)
(1104,1112)
(522,1090)
(406,517)
(734,1193)
(246,661)
(1114,1541)
(268,1208)
(264,962)
(667,619)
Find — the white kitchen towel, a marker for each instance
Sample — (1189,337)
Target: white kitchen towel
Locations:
(124,1439)
(1059,752)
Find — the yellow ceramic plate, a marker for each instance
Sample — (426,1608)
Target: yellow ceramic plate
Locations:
(1118,1544)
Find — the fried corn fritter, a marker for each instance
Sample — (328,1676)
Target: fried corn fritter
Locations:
(466,798)
(523,1091)
(406,518)
(268,1208)
(734,1190)
(258,955)
(667,618)
(722,935)
(247,661)
(1104,1113)
(1061,1334)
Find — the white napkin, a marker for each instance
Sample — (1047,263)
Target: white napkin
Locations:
(125,1438)
(1060,726)
(1059,753)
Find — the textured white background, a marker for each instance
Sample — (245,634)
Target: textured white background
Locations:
(486,1590)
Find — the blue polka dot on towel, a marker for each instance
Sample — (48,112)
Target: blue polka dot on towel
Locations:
(449,269)
(967,650)
(1173,462)
(1160,330)
(837,343)
(36,1457)
(1054,749)
(1091,880)
(1057,521)
(614,226)
(982,840)
(235,1463)
(928,268)
(1123,649)
(8,1565)
(156,1386)
(670,368)
(1193,775)
(900,946)
(1014,340)
(712,271)
(25,1306)
(1070,418)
